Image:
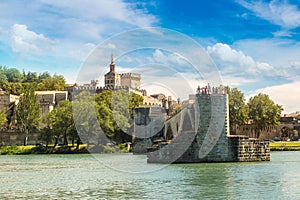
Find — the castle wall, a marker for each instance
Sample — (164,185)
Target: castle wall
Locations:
(150,101)
(16,137)
(131,80)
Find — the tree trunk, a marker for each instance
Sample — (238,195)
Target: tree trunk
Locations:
(25,137)
(78,143)
(65,138)
(55,143)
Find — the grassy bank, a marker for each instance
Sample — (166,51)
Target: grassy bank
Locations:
(285,146)
(23,150)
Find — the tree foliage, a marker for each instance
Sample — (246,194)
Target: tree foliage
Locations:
(115,110)
(28,112)
(12,81)
(263,111)
(52,83)
(3,119)
(105,113)
(11,74)
(59,121)
(238,109)
(86,117)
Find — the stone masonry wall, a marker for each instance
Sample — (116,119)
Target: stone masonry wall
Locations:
(15,137)
(212,142)
(244,149)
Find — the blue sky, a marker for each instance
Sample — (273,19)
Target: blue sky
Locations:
(254,44)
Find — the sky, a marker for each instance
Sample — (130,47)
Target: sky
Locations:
(255,45)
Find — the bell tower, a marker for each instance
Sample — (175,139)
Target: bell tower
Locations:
(112,79)
(112,64)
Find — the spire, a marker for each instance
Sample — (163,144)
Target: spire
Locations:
(112,59)
(112,64)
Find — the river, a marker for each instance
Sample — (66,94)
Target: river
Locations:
(114,176)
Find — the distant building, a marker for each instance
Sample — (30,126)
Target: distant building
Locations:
(8,104)
(47,100)
(113,79)
(130,82)
(294,115)
(6,100)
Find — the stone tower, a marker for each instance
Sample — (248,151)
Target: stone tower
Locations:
(206,137)
(112,78)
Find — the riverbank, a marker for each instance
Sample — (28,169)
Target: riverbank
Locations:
(285,146)
(30,149)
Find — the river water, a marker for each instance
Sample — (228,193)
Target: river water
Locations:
(130,177)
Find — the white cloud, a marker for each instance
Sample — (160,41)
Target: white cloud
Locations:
(281,54)
(167,58)
(277,12)
(94,20)
(82,52)
(286,95)
(295,64)
(233,62)
(179,85)
(234,81)
(95,10)
(73,23)
(25,41)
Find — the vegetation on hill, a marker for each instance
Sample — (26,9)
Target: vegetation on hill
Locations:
(3,118)
(12,81)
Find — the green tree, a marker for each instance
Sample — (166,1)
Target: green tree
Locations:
(115,110)
(3,119)
(86,118)
(56,82)
(43,76)
(238,109)
(134,102)
(59,120)
(263,111)
(46,135)
(31,77)
(28,113)
(105,114)
(16,88)
(73,135)
(3,80)
(12,74)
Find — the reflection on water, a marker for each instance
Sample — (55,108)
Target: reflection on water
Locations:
(84,177)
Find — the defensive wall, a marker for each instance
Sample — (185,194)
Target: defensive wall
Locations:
(16,137)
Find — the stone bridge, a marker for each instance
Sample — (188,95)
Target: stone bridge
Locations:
(200,133)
